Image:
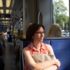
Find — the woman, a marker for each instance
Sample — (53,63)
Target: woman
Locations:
(37,55)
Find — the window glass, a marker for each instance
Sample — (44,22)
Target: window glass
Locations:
(61,16)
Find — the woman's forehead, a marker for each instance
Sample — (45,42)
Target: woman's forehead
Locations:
(40,29)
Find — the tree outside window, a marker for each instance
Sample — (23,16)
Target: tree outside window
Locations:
(60,14)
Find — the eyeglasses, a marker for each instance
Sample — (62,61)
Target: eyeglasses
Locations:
(40,32)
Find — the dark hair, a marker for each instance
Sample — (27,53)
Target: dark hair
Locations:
(31,31)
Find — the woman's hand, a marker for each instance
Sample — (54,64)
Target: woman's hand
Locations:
(57,62)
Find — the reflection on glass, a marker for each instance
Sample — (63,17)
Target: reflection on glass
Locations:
(8,2)
(1,11)
(1,3)
(8,11)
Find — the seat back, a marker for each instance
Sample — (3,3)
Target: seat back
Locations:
(61,47)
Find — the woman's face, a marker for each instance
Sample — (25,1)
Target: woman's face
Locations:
(39,35)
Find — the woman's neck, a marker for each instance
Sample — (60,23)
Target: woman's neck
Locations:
(37,44)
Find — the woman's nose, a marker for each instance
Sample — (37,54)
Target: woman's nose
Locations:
(42,34)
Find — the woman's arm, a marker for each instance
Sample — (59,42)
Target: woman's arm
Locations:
(52,55)
(37,66)
(53,67)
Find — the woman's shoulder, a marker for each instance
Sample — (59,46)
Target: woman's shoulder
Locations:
(47,45)
(26,50)
(28,47)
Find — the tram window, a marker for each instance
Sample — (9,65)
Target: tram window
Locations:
(61,16)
